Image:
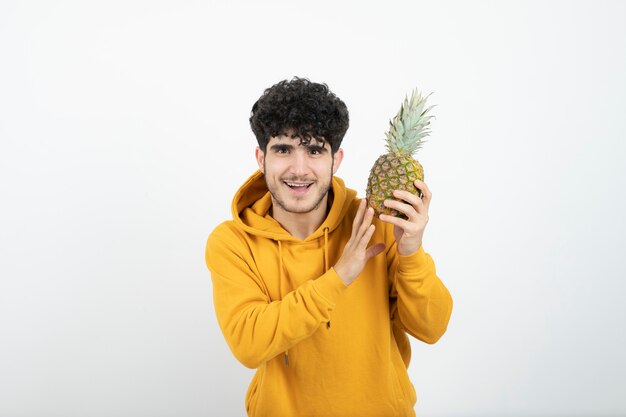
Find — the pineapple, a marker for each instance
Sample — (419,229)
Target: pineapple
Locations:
(397,169)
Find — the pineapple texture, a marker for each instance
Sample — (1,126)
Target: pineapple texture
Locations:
(392,172)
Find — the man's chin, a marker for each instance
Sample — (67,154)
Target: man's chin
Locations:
(298,207)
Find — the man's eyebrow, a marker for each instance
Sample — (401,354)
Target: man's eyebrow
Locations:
(281,146)
(319,148)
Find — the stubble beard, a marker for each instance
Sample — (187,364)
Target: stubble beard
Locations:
(274,192)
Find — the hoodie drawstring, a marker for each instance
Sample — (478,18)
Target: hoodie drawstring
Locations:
(326,229)
(326,249)
(280,281)
(280,265)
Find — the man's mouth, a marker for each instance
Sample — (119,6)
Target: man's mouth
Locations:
(298,186)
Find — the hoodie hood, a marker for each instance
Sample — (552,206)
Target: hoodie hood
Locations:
(252,203)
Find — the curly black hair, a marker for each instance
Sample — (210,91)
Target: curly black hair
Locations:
(309,108)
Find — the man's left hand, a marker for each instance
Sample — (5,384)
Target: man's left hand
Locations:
(409,232)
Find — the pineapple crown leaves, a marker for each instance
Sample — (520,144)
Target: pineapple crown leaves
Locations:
(409,127)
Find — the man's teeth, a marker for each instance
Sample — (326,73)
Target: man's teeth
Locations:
(297,185)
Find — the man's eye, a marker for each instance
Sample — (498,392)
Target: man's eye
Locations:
(314,151)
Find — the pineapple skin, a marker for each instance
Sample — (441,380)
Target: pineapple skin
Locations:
(392,171)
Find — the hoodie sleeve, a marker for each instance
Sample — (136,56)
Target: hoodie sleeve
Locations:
(256,328)
(423,304)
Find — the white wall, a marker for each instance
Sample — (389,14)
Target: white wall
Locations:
(124,134)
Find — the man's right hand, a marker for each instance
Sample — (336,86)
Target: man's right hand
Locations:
(356,253)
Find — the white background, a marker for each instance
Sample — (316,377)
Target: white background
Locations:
(124,134)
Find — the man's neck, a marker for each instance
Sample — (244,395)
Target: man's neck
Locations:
(300,225)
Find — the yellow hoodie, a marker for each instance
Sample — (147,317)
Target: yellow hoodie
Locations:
(320,348)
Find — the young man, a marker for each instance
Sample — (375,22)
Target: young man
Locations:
(309,287)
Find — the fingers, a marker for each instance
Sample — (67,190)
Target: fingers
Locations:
(374,250)
(426,194)
(358,218)
(366,224)
(412,210)
(420,205)
(362,220)
(362,227)
(409,210)
(356,253)
(396,221)
(410,198)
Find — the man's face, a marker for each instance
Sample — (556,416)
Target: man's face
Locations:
(298,175)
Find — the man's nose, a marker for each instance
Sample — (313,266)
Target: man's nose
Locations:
(300,165)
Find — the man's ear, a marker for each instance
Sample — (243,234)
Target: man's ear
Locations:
(337,158)
(260,157)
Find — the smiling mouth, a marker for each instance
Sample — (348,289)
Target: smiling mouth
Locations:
(297,185)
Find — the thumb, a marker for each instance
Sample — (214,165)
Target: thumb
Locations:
(374,250)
